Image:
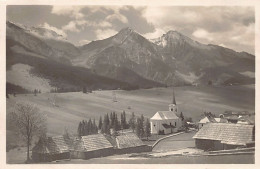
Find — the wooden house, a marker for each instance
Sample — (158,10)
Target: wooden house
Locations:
(92,146)
(129,143)
(51,149)
(220,136)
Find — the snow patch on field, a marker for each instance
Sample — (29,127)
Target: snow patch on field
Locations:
(248,74)
(20,75)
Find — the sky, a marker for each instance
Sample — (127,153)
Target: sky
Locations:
(231,27)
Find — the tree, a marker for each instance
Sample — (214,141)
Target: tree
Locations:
(105,126)
(80,131)
(29,122)
(147,129)
(84,90)
(89,127)
(142,126)
(132,122)
(181,116)
(138,127)
(100,123)
(35,92)
(123,120)
(95,128)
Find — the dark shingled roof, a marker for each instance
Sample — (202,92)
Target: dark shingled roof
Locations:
(53,145)
(227,133)
(92,143)
(127,140)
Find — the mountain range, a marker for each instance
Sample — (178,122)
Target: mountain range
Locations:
(126,60)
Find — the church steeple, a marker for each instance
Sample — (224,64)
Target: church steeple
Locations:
(173,97)
(173,105)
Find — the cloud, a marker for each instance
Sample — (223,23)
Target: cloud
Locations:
(117,16)
(58,31)
(71,11)
(103,34)
(202,34)
(71,26)
(232,26)
(157,33)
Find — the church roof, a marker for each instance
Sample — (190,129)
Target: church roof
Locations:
(164,115)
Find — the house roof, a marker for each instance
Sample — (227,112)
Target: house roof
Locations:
(227,133)
(93,142)
(53,145)
(127,140)
(164,115)
(207,119)
(221,120)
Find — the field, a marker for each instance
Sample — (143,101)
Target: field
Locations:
(192,101)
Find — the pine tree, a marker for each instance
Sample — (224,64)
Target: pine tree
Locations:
(147,129)
(100,123)
(84,133)
(116,123)
(95,128)
(132,122)
(80,129)
(142,126)
(84,90)
(138,127)
(181,116)
(89,127)
(106,126)
(123,120)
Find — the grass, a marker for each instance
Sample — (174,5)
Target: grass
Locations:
(74,107)
(192,101)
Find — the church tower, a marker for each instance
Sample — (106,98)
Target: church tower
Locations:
(173,105)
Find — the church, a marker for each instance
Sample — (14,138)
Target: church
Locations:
(166,122)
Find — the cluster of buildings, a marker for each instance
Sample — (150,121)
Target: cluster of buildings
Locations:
(230,130)
(86,147)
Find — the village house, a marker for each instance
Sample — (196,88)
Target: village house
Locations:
(51,149)
(166,122)
(130,143)
(221,136)
(92,146)
(210,119)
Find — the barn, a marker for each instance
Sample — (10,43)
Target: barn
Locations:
(129,143)
(166,122)
(221,136)
(51,149)
(92,146)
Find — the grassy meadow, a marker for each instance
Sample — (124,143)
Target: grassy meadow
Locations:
(192,101)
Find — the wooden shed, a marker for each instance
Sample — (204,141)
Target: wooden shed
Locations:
(51,149)
(129,143)
(92,146)
(220,136)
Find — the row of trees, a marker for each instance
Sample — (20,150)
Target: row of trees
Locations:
(87,127)
(108,122)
